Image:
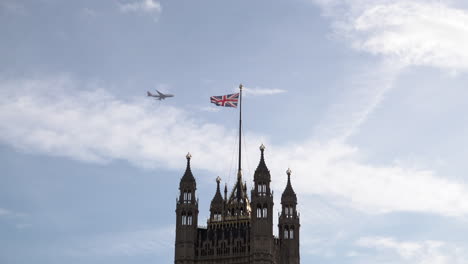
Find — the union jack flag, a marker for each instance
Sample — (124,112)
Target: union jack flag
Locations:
(229,100)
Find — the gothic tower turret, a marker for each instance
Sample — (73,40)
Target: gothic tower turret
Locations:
(262,214)
(217,205)
(187,218)
(288,225)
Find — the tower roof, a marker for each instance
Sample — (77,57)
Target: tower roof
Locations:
(218,198)
(188,176)
(239,199)
(289,195)
(239,192)
(262,172)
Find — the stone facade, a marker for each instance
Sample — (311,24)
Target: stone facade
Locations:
(239,230)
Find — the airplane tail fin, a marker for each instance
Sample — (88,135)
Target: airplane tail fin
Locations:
(149,94)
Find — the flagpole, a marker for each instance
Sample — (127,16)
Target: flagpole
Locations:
(239,173)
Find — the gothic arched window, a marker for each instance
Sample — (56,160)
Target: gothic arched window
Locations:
(291,233)
(189,219)
(184,219)
(259,211)
(265,211)
(262,189)
(288,211)
(286,232)
(187,196)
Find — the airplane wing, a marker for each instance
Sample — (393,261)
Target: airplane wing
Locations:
(160,94)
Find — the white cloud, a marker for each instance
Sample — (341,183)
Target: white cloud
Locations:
(145,6)
(4,212)
(12,214)
(261,91)
(429,33)
(131,243)
(391,250)
(336,170)
(404,33)
(416,33)
(52,116)
(13,7)
(88,12)
(23,226)
(210,109)
(353,106)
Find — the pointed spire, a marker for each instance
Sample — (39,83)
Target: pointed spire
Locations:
(217,199)
(262,164)
(262,169)
(188,176)
(289,194)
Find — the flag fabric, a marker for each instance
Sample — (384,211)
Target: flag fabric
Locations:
(229,100)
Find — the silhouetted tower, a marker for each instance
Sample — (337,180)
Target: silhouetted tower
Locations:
(187,218)
(217,205)
(262,214)
(288,225)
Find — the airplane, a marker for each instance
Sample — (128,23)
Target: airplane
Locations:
(160,96)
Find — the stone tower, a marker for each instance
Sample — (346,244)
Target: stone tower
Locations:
(187,218)
(288,225)
(263,250)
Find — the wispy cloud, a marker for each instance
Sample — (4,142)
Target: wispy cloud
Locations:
(9,213)
(88,12)
(23,226)
(4,212)
(132,243)
(53,116)
(144,6)
(257,91)
(365,92)
(391,250)
(416,33)
(430,33)
(12,7)
(95,126)
(401,34)
(340,173)
(210,109)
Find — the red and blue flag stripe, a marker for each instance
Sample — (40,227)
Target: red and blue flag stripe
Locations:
(229,100)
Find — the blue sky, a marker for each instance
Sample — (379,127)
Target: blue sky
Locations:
(363,99)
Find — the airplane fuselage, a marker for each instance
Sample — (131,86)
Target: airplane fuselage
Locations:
(159,96)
